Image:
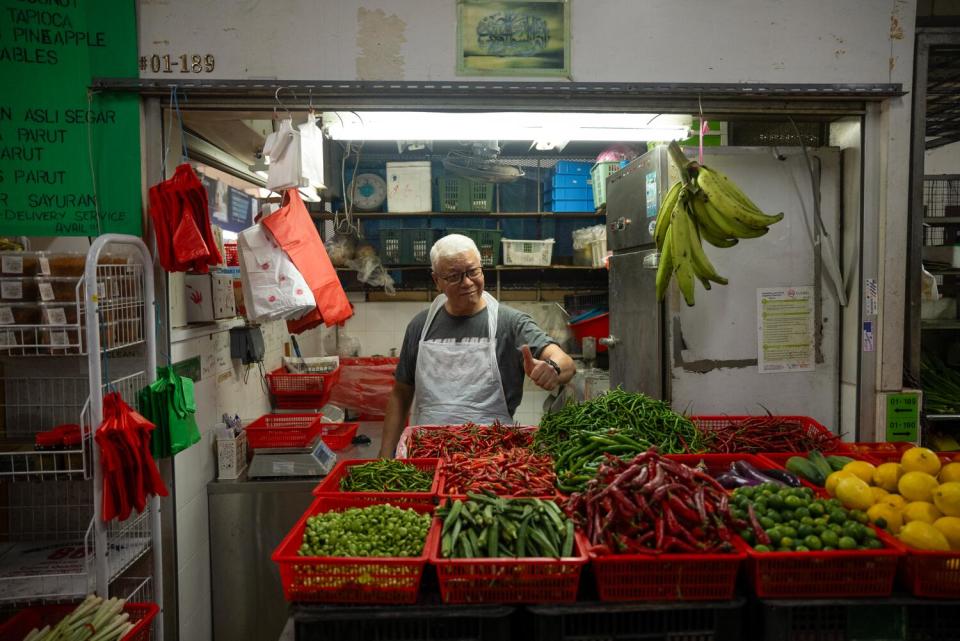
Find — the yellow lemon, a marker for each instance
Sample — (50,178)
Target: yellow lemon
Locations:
(878,494)
(920,459)
(920,511)
(950,527)
(834,478)
(854,493)
(924,536)
(886,476)
(947,498)
(862,469)
(886,517)
(950,473)
(895,501)
(917,486)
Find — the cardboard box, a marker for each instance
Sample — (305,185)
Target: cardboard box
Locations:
(231,456)
(208,297)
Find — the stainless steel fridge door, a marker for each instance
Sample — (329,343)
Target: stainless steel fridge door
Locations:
(633,195)
(635,343)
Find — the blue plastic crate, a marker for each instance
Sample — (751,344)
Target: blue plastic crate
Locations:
(567,181)
(571,167)
(571,205)
(568,194)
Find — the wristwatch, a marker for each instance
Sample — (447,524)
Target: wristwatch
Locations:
(551,363)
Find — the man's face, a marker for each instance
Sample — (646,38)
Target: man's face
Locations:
(461,279)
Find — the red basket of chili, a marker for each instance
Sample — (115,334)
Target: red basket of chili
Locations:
(759,434)
(331,484)
(512,474)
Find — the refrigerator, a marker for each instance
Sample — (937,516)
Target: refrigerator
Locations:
(704,359)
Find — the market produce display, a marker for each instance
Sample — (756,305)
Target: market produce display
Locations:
(622,423)
(477,440)
(815,467)
(917,499)
(95,619)
(375,531)
(386,476)
(767,434)
(516,472)
(941,386)
(485,526)
(785,519)
(744,474)
(704,205)
(652,504)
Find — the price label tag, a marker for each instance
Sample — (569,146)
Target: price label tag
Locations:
(13,264)
(46,291)
(56,316)
(11,290)
(6,316)
(44,265)
(58,337)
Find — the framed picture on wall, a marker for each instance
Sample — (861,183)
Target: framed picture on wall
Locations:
(513,38)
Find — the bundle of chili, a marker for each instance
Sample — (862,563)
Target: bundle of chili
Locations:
(769,434)
(651,504)
(479,440)
(515,472)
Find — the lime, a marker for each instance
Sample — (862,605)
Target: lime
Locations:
(766,522)
(874,544)
(793,501)
(813,542)
(817,509)
(762,548)
(859,516)
(806,520)
(776,502)
(801,548)
(747,535)
(804,531)
(786,542)
(802,513)
(871,533)
(829,538)
(847,543)
(837,516)
(787,514)
(789,531)
(828,548)
(775,535)
(774,516)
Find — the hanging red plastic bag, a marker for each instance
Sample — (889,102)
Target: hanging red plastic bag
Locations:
(293,228)
(365,384)
(181,223)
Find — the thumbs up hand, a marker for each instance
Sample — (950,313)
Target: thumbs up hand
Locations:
(541,372)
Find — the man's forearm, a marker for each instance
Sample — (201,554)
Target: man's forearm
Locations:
(398,405)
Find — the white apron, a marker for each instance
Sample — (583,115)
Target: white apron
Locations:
(459,382)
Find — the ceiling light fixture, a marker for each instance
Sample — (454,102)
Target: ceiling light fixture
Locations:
(596,127)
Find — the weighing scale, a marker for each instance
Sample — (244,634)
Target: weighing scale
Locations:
(317,459)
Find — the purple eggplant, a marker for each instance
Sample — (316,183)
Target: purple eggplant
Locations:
(731,481)
(747,471)
(783,476)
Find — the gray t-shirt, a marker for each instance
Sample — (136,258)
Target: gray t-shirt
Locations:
(514,329)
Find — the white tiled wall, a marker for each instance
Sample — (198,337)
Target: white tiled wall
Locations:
(224,386)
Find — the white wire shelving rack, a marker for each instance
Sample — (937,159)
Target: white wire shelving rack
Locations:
(54,545)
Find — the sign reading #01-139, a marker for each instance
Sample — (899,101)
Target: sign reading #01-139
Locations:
(69,160)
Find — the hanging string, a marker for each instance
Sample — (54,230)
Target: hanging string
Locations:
(183,137)
(704,128)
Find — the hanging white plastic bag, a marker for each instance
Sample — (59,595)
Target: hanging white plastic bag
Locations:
(273,287)
(311,148)
(283,148)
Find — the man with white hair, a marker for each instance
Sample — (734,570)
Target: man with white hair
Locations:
(464,359)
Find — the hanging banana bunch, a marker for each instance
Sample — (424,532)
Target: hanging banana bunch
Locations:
(708,207)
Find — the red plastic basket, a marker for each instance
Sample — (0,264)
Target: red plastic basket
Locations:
(21,623)
(708,422)
(283,430)
(668,577)
(330,486)
(596,326)
(719,463)
(931,574)
(326,579)
(836,573)
(507,580)
(300,391)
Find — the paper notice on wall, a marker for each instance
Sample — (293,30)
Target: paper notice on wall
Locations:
(785,338)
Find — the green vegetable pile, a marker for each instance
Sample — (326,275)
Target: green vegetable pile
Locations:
(815,467)
(386,476)
(618,422)
(488,527)
(378,530)
(941,386)
(783,519)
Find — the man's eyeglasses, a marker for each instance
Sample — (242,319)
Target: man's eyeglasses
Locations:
(457,278)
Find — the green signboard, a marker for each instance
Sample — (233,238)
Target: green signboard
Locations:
(69,160)
(903,417)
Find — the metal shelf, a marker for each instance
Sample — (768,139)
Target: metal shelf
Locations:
(497,268)
(943,417)
(941,220)
(940,323)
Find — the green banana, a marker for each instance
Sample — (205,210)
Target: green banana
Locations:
(708,230)
(702,266)
(666,210)
(730,226)
(731,201)
(665,268)
(682,255)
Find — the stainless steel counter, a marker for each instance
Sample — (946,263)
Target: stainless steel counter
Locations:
(248,519)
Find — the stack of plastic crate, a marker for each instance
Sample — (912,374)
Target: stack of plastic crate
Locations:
(568,188)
